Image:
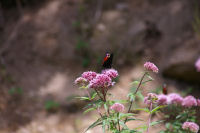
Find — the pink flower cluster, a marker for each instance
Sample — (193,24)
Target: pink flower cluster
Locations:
(112,73)
(189,101)
(151,67)
(89,75)
(191,126)
(174,98)
(80,80)
(150,98)
(197,65)
(163,99)
(101,81)
(117,107)
(97,80)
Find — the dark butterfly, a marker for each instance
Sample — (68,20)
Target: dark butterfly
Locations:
(165,89)
(107,61)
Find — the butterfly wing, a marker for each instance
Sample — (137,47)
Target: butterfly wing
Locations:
(107,63)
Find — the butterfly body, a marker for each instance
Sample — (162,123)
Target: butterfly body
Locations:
(165,89)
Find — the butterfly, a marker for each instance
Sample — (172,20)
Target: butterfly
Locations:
(107,61)
(165,89)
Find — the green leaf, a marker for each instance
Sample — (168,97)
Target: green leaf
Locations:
(83,87)
(143,127)
(120,101)
(105,106)
(131,96)
(139,94)
(121,115)
(149,77)
(128,131)
(135,82)
(179,116)
(144,82)
(133,119)
(50,105)
(156,122)
(96,123)
(143,109)
(123,125)
(83,98)
(93,95)
(167,125)
(96,103)
(104,126)
(157,108)
(88,110)
(133,89)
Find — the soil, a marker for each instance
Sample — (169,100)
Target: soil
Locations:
(48,45)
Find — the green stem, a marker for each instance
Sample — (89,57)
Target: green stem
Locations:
(129,109)
(98,94)
(118,121)
(149,121)
(140,82)
(88,93)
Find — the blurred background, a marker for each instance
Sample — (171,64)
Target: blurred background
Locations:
(46,44)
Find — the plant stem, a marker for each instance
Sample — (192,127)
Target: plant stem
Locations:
(88,93)
(99,94)
(99,112)
(129,109)
(149,121)
(140,83)
(118,121)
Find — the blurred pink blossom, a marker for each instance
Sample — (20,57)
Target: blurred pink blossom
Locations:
(151,67)
(89,75)
(197,65)
(163,99)
(101,81)
(175,98)
(118,107)
(189,101)
(150,98)
(80,80)
(193,127)
(198,102)
(112,73)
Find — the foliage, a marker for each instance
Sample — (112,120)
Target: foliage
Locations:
(51,105)
(177,115)
(113,116)
(15,91)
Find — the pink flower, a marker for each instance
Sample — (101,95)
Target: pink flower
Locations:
(118,107)
(189,101)
(80,80)
(163,99)
(150,98)
(89,75)
(193,127)
(101,81)
(198,102)
(175,98)
(197,65)
(151,67)
(112,73)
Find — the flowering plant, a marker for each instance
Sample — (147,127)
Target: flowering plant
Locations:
(115,115)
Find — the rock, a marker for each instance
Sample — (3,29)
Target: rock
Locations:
(183,72)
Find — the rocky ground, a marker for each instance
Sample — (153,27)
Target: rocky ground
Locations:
(47,46)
